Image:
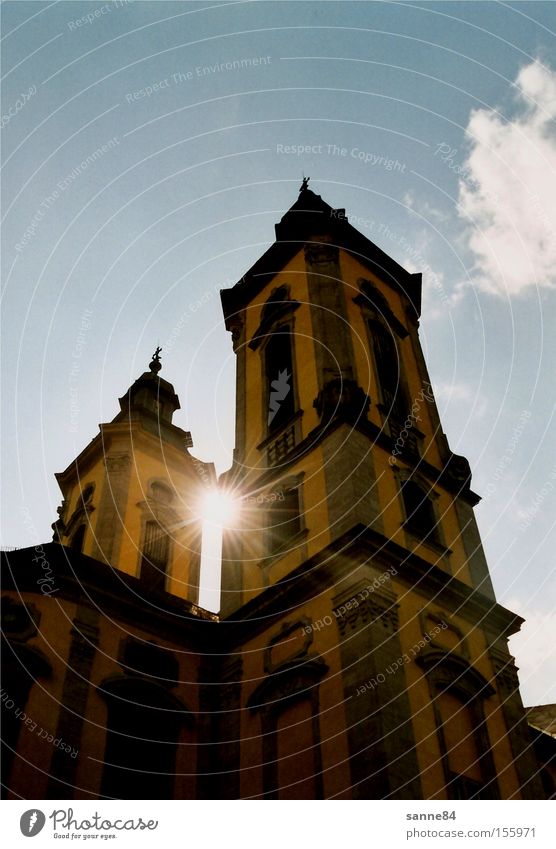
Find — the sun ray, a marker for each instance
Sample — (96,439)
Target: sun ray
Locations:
(219,508)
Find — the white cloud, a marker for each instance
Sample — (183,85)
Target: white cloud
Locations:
(425,209)
(508,193)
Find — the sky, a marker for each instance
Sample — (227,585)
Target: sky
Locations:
(148,148)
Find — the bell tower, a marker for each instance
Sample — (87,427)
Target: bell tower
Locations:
(357,547)
(132,496)
(336,420)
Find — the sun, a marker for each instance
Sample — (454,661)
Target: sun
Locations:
(219,508)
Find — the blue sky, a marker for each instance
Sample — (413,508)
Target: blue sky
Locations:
(146,158)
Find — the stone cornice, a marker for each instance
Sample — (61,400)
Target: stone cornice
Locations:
(174,439)
(505,669)
(336,561)
(377,436)
(449,670)
(120,595)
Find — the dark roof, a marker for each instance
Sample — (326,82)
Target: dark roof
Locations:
(309,220)
(149,384)
(77,577)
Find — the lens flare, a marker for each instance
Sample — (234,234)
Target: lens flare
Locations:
(219,508)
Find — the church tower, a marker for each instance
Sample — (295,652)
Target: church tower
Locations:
(356,551)
(132,496)
(335,409)
(103,638)
(359,652)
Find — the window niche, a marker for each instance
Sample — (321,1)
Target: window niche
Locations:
(420,517)
(274,341)
(22,665)
(145,721)
(143,726)
(155,555)
(458,693)
(419,512)
(287,702)
(76,528)
(284,522)
(278,368)
(388,365)
(385,335)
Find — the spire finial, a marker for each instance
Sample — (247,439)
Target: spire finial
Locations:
(155,364)
(304,184)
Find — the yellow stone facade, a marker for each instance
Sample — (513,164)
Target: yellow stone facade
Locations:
(138,475)
(359,652)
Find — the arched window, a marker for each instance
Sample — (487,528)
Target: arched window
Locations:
(389,371)
(278,366)
(75,529)
(458,692)
(144,720)
(287,701)
(21,666)
(161,492)
(419,511)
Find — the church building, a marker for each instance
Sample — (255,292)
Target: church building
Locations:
(359,651)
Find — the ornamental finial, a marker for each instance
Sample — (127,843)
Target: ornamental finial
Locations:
(304,184)
(155,365)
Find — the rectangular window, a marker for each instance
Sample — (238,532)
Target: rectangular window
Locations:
(283,521)
(419,511)
(156,551)
(140,752)
(460,743)
(296,752)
